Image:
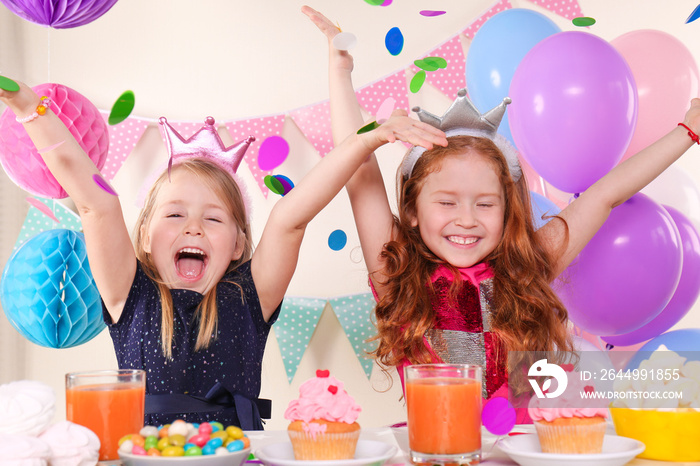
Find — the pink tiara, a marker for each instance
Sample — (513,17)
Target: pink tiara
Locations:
(206,144)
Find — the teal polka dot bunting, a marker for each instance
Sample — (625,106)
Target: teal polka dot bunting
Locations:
(36,221)
(294,328)
(354,313)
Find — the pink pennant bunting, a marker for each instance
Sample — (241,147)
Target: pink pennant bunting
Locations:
(451,79)
(315,122)
(122,139)
(569,9)
(373,95)
(261,128)
(476,24)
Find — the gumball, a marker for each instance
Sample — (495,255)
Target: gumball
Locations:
(194,450)
(215,443)
(234,432)
(236,445)
(173,451)
(205,428)
(150,442)
(246,442)
(124,439)
(220,434)
(138,450)
(164,430)
(216,426)
(221,451)
(208,450)
(136,439)
(178,427)
(126,446)
(177,440)
(200,439)
(149,431)
(153,452)
(162,443)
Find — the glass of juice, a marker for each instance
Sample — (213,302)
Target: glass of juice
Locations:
(110,403)
(444,413)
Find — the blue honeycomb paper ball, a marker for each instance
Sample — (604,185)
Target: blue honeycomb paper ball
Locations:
(48,293)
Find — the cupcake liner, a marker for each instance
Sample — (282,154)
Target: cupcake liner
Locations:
(323,446)
(571,437)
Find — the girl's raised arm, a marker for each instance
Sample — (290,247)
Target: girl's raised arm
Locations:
(588,212)
(368,196)
(110,252)
(275,258)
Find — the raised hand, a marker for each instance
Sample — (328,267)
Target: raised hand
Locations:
(401,127)
(338,58)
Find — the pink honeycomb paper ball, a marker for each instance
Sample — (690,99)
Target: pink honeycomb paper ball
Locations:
(22,161)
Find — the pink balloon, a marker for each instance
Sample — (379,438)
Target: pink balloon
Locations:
(686,293)
(627,273)
(574,109)
(667,79)
(22,161)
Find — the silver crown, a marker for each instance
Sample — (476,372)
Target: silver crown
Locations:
(464,119)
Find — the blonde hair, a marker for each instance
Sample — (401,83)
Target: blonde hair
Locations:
(228,191)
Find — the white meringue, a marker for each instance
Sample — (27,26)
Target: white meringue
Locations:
(71,444)
(26,407)
(23,450)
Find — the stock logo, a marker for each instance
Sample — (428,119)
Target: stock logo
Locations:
(542,368)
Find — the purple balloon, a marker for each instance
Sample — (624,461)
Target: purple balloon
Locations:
(686,292)
(59,14)
(627,273)
(574,109)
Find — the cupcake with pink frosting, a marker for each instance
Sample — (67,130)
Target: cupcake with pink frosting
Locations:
(323,420)
(570,423)
(71,444)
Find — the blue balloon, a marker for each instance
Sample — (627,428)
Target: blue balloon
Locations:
(542,208)
(685,342)
(495,53)
(48,293)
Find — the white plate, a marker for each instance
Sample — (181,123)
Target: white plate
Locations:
(368,452)
(232,459)
(525,450)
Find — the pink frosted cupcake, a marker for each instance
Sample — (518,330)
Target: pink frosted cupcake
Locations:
(568,423)
(323,420)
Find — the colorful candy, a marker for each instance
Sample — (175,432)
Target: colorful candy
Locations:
(185,439)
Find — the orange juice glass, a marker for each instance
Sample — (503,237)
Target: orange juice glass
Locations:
(109,403)
(444,413)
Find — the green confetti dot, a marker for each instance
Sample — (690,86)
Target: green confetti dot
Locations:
(122,108)
(583,21)
(368,127)
(274,184)
(436,61)
(417,81)
(375,2)
(8,84)
(425,65)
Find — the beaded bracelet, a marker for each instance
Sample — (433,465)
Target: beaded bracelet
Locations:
(693,136)
(40,110)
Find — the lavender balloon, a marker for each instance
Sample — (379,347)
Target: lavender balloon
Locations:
(574,109)
(59,14)
(686,292)
(627,273)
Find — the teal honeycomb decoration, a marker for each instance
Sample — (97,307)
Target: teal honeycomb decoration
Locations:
(48,293)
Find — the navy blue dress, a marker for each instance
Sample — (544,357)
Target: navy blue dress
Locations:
(230,368)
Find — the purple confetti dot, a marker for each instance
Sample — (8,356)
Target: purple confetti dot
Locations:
(432,12)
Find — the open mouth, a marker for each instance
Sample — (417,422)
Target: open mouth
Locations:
(190,263)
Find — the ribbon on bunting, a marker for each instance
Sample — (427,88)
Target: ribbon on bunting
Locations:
(353,312)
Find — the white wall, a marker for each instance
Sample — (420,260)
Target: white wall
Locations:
(235,59)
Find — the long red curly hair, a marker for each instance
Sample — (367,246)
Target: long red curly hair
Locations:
(527,314)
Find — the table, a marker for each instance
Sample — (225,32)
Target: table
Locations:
(493,456)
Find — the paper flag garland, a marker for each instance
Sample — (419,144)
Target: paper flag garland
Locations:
(122,139)
(261,128)
(37,222)
(569,9)
(353,312)
(372,96)
(294,328)
(315,122)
